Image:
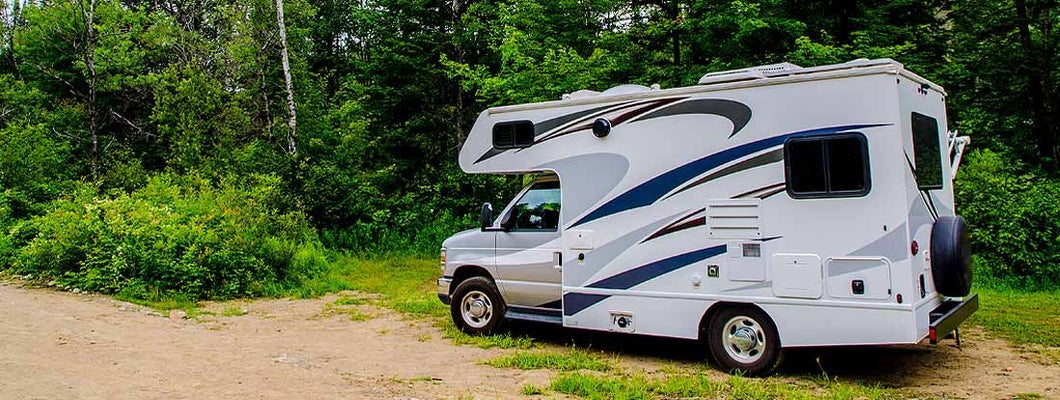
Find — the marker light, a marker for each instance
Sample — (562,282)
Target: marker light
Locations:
(915,247)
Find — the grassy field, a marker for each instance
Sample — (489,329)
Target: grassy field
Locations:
(1020,317)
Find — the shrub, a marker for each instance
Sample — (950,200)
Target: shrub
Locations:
(1015,220)
(176,236)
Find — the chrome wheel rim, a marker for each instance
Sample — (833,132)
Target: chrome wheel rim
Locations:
(476,309)
(744,339)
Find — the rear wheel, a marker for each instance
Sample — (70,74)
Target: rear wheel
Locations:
(744,339)
(477,307)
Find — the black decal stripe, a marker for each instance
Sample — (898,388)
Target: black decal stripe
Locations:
(586,124)
(544,127)
(701,221)
(735,111)
(640,111)
(492,152)
(774,192)
(679,221)
(753,193)
(757,161)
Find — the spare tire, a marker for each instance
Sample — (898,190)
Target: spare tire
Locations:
(951,257)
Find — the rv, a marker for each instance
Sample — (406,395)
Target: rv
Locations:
(761,209)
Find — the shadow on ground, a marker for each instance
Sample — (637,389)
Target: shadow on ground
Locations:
(888,366)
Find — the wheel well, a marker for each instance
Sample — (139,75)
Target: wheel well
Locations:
(467,271)
(721,305)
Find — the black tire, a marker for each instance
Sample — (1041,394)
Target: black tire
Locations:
(761,355)
(477,307)
(951,257)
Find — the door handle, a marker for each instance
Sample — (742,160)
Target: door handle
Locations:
(557,257)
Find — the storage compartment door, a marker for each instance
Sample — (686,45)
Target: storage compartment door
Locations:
(867,278)
(797,275)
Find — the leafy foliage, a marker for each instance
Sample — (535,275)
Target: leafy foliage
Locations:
(1015,220)
(175,236)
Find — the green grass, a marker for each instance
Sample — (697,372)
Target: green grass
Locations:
(697,385)
(572,360)
(233,311)
(503,340)
(163,303)
(407,284)
(350,301)
(531,390)
(1021,317)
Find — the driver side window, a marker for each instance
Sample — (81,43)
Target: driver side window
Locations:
(538,209)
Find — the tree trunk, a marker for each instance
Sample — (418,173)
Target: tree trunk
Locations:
(292,119)
(89,54)
(675,34)
(11,20)
(1041,126)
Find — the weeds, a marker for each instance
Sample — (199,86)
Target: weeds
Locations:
(500,340)
(698,385)
(572,360)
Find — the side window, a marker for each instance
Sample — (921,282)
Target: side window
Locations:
(513,135)
(927,152)
(827,166)
(538,209)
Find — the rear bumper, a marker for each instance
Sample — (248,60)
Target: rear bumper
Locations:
(946,317)
(443,289)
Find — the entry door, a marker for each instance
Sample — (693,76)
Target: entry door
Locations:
(528,254)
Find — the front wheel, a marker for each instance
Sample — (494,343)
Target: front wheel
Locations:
(744,339)
(477,307)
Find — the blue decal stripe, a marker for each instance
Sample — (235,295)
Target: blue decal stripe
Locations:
(644,273)
(652,190)
(574,303)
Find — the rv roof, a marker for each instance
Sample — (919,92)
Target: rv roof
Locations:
(773,74)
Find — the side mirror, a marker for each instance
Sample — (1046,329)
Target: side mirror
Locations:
(487,215)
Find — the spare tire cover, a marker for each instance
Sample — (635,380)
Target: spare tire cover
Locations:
(951,257)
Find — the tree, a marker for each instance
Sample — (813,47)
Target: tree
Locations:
(292,118)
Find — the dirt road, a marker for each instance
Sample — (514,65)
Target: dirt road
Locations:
(64,345)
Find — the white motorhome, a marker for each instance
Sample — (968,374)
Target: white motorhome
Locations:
(761,209)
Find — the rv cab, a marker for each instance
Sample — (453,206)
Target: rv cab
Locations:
(522,248)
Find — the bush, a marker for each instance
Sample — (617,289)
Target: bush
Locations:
(175,237)
(418,234)
(1015,220)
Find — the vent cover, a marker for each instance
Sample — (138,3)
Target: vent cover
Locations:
(734,219)
(752,250)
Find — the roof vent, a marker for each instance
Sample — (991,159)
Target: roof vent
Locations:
(581,94)
(745,74)
(629,89)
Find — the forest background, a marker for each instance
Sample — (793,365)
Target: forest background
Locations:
(219,149)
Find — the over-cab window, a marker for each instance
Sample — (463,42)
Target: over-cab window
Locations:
(538,209)
(512,135)
(827,166)
(927,152)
